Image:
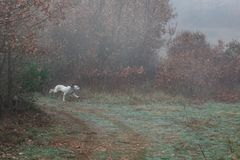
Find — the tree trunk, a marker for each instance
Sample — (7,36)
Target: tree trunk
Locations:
(2,63)
(9,78)
(9,56)
(1,107)
(116,29)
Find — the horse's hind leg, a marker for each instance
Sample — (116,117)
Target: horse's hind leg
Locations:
(64,94)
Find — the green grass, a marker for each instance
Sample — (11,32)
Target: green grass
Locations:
(39,144)
(38,152)
(131,98)
(173,128)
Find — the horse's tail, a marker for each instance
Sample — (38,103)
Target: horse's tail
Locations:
(51,91)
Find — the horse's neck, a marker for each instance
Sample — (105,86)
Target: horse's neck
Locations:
(72,89)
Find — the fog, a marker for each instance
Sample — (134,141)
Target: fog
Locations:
(118,79)
(218,19)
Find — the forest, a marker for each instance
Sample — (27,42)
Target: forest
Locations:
(147,91)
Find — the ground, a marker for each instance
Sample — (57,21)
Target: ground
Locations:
(117,127)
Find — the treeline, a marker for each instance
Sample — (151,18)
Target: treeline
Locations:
(195,68)
(20,23)
(105,44)
(109,45)
(91,42)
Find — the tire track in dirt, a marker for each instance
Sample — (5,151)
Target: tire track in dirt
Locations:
(97,139)
(133,141)
(82,143)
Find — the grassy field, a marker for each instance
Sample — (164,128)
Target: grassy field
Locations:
(147,127)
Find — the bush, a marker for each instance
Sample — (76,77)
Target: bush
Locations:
(194,68)
(34,77)
(189,68)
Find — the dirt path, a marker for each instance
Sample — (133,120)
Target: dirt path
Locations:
(116,131)
(130,139)
(90,141)
(81,143)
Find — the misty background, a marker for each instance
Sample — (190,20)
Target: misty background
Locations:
(149,89)
(218,19)
(114,45)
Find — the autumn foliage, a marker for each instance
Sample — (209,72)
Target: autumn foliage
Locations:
(113,45)
(20,23)
(123,79)
(110,35)
(195,68)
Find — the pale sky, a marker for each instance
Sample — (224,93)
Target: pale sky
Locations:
(218,19)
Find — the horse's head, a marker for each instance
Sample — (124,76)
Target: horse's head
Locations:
(76,87)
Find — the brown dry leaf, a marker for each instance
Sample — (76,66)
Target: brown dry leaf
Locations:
(234,157)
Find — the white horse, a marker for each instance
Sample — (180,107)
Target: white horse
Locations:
(66,90)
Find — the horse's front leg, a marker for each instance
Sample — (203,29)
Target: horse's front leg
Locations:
(74,94)
(64,94)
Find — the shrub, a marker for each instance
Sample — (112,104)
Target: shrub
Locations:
(194,68)
(34,77)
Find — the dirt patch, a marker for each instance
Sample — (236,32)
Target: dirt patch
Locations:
(126,141)
(82,143)
(13,130)
(171,138)
(96,141)
(45,133)
(30,128)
